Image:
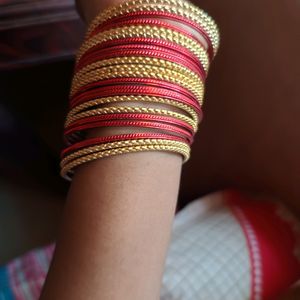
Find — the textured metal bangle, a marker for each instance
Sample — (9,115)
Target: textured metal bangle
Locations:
(161,15)
(135,60)
(139,42)
(133,99)
(196,87)
(134,110)
(178,7)
(117,144)
(154,22)
(135,87)
(183,149)
(147,31)
(139,50)
(74,134)
(118,137)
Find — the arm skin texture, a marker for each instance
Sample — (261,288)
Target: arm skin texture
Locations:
(116,225)
(116,229)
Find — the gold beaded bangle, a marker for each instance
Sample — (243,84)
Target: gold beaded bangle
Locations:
(183,149)
(79,76)
(118,144)
(142,71)
(181,8)
(122,109)
(184,6)
(133,98)
(147,32)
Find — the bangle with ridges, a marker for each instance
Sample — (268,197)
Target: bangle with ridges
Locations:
(147,32)
(184,150)
(196,87)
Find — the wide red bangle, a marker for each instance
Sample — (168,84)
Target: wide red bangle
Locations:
(110,49)
(142,50)
(132,116)
(141,41)
(158,14)
(154,23)
(135,81)
(124,123)
(120,137)
(170,92)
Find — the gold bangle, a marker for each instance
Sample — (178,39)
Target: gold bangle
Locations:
(79,76)
(142,71)
(181,8)
(133,98)
(184,150)
(118,144)
(147,32)
(122,109)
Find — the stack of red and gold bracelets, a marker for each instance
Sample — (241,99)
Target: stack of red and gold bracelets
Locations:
(141,67)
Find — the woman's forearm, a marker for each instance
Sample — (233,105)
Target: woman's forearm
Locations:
(116,229)
(119,211)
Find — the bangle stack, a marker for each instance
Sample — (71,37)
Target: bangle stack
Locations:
(140,67)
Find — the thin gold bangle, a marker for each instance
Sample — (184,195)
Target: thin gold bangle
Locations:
(118,144)
(147,32)
(142,71)
(135,60)
(181,8)
(133,98)
(183,150)
(129,109)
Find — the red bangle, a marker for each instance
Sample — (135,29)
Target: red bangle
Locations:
(170,92)
(138,90)
(152,22)
(124,123)
(132,116)
(134,81)
(155,14)
(142,41)
(119,137)
(120,51)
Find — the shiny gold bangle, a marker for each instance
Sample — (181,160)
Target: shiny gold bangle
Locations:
(184,150)
(147,32)
(118,144)
(181,8)
(133,98)
(142,71)
(129,109)
(135,60)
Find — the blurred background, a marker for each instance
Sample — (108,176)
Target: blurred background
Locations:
(38,39)
(255,75)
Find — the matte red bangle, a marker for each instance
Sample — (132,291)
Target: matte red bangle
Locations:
(155,14)
(132,116)
(121,51)
(178,100)
(134,81)
(151,90)
(154,54)
(142,41)
(110,50)
(124,123)
(119,137)
(152,22)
